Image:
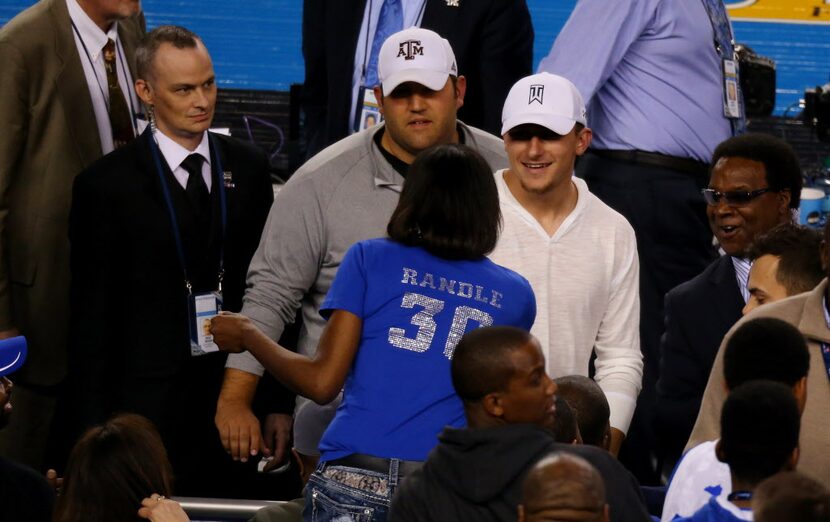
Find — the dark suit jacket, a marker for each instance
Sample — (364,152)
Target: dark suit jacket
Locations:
(49,135)
(492,41)
(699,312)
(130,338)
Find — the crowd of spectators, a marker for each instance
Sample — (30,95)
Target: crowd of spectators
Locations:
(579,294)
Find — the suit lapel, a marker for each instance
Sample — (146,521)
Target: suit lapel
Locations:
(355,11)
(72,88)
(730,301)
(218,181)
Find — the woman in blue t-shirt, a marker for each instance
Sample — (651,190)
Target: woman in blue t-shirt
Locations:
(396,310)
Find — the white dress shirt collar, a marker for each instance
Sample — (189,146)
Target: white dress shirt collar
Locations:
(742,267)
(175,154)
(92,36)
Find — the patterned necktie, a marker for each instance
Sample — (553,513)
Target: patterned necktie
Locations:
(389,23)
(723,37)
(122,128)
(197,191)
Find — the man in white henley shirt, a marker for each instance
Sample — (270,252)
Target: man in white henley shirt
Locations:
(579,255)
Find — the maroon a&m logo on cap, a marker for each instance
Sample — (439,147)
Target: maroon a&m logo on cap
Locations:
(409,49)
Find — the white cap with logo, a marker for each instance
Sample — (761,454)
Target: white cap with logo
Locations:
(416,55)
(543,99)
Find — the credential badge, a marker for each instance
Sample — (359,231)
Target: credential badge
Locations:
(409,49)
(537,93)
(452,3)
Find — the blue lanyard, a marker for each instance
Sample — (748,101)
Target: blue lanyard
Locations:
(218,183)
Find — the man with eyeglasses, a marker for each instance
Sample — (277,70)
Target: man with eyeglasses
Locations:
(578,254)
(754,185)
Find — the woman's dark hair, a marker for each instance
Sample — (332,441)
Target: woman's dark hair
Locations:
(111,469)
(449,204)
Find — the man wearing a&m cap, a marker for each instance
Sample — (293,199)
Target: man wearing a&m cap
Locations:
(579,255)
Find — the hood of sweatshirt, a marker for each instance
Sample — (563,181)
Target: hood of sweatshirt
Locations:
(479,464)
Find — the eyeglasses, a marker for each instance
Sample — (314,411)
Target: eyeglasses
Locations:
(732,197)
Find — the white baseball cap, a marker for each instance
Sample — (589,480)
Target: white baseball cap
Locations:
(416,55)
(544,99)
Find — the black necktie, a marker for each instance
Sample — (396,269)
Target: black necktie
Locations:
(197,191)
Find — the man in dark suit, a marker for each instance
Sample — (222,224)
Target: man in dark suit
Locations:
(492,40)
(755,184)
(53,126)
(173,215)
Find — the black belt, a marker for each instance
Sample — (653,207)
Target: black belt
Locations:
(376,464)
(653,159)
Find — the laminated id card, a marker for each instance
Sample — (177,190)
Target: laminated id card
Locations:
(367,110)
(204,308)
(731,105)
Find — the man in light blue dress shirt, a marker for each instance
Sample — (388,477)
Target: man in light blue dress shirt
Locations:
(652,77)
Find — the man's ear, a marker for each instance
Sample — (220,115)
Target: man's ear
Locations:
(800,393)
(784,198)
(379,96)
(583,140)
(719,451)
(792,462)
(606,438)
(493,404)
(460,91)
(144,91)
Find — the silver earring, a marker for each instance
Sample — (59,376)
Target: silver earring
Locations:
(151,115)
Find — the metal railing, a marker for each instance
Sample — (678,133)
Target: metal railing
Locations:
(223,509)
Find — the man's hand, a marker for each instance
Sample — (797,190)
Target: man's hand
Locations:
(228,331)
(8,334)
(277,438)
(6,387)
(54,480)
(160,509)
(238,427)
(5,400)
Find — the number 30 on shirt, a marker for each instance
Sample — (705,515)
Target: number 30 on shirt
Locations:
(424,320)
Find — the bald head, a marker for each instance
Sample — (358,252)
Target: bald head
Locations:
(564,488)
(793,497)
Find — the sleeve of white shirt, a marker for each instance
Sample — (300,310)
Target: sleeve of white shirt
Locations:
(619,362)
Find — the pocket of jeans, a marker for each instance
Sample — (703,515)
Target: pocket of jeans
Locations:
(325,509)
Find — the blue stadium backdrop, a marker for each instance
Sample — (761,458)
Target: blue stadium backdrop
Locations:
(255,44)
